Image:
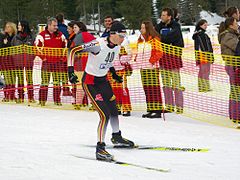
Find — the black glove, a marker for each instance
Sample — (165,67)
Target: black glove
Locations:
(72,76)
(116,77)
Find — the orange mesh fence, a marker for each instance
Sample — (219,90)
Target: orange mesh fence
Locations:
(200,85)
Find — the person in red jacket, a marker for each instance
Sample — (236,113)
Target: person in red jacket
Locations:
(120,90)
(53,60)
(82,36)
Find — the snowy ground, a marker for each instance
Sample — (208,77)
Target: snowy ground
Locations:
(36,144)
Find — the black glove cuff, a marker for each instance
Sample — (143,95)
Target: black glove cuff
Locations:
(70,69)
(112,70)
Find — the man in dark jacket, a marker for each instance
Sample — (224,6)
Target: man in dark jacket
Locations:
(171,62)
(107,23)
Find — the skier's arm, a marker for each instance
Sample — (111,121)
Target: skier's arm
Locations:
(92,47)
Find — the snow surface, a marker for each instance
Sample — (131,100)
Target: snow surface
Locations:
(38,144)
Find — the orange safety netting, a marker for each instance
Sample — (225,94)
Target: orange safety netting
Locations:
(174,83)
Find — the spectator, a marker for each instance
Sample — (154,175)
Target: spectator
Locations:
(171,62)
(25,60)
(149,53)
(82,36)
(6,64)
(51,64)
(230,44)
(204,55)
(71,33)
(176,15)
(107,23)
(231,12)
(120,90)
(61,26)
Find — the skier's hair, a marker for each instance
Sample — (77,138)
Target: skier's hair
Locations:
(169,11)
(224,25)
(230,12)
(200,23)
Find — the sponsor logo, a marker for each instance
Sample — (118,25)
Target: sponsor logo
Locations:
(89,45)
(98,97)
(105,66)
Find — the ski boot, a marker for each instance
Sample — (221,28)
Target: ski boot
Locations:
(120,142)
(101,153)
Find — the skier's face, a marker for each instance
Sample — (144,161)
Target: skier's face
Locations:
(117,38)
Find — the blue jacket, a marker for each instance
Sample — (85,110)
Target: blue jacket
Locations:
(63,29)
(105,33)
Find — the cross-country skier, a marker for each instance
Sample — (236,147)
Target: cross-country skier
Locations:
(102,52)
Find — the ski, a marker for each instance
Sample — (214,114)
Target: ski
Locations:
(157,148)
(165,148)
(121,163)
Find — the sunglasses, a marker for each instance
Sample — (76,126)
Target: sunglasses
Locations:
(121,35)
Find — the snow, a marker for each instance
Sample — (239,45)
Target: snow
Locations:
(38,143)
(212,18)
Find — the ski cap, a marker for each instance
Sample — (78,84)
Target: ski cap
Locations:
(117,27)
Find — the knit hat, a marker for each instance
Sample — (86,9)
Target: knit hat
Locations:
(117,27)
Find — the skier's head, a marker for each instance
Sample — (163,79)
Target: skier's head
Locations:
(117,32)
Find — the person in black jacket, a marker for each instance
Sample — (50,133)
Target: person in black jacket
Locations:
(6,63)
(171,61)
(107,23)
(25,60)
(204,55)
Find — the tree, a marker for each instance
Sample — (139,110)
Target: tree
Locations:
(135,11)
